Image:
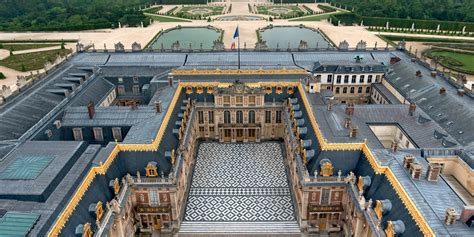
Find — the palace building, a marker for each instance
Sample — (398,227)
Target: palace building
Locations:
(347,143)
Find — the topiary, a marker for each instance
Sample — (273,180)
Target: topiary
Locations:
(2,76)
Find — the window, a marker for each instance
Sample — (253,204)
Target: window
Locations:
(407,144)
(278,117)
(226,100)
(251,116)
(211,130)
(377,78)
(77,132)
(329,78)
(121,90)
(98,135)
(268,116)
(135,79)
(252,100)
(344,90)
(352,90)
(400,136)
(240,117)
(337,90)
(117,133)
(153,198)
(201,129)
(239,100)
(346,79)
(200,116)
(354,78)
(136,89)
(362,78)
(369,80)
(359,90)
(211,116)
(325,196)
(338,80)
(328,88)
(120,80)
(226,116)
(367,90)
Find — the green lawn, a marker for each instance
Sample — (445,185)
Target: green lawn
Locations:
(18,47)
(193,12)
(32,61)
(469,47)
(273,10)
(161,18)
(424,39)
(455,60)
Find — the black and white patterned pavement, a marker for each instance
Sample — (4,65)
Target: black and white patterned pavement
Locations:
(239,183)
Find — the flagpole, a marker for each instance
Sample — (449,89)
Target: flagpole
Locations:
(238,48)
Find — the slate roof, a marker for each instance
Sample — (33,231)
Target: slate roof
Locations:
(113,116)
(450,111)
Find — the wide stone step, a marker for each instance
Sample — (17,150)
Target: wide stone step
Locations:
(240,227)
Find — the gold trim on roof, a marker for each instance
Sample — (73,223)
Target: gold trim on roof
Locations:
(325,146)
(190,72)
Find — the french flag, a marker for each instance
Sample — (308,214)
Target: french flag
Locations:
(236,34)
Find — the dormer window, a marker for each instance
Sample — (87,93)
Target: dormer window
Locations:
(151,169)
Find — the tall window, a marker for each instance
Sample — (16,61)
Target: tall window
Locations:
(361,79)
(226,100)
(252,100)
(367,90)
(354,79)
(117,133)
(240,117)
(278,117)
(325,196)
(136,90)
(154,201)
(98,135)
(352,89)
(344,90)
(337,90)
(77,132)
(369,80)
(251,116)
(268,116)
(226,116)
(346,79)
(329,78)
(239,100)
(338,80)
(121,89)
(211,116)
(201,116)
(377,78)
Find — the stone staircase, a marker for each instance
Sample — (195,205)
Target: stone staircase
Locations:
(286,228)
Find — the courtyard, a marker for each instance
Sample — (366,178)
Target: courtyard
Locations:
(240,183)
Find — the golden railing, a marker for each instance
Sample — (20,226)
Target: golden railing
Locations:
(190,72)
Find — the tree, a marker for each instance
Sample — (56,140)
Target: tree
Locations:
(2,76)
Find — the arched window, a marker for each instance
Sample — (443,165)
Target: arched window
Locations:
(240,117)
(337,90)
(344,90)
(251,116)
(352,89)
(226,116)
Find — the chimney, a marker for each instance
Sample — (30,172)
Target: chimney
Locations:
(415,171)
(466,214)
(353,132)
(433,172)
(411,109)
(158,106)
(329,107)
(461,92)
(91,109)
(347,122)
(433,74)
(418,73)
(394,60)
(450,216)
(442,90)
(350,109)
(170,80)
(407,161)
(394,146)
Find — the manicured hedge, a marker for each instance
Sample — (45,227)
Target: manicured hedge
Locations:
(351,18)
(179,2)
(327,8)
